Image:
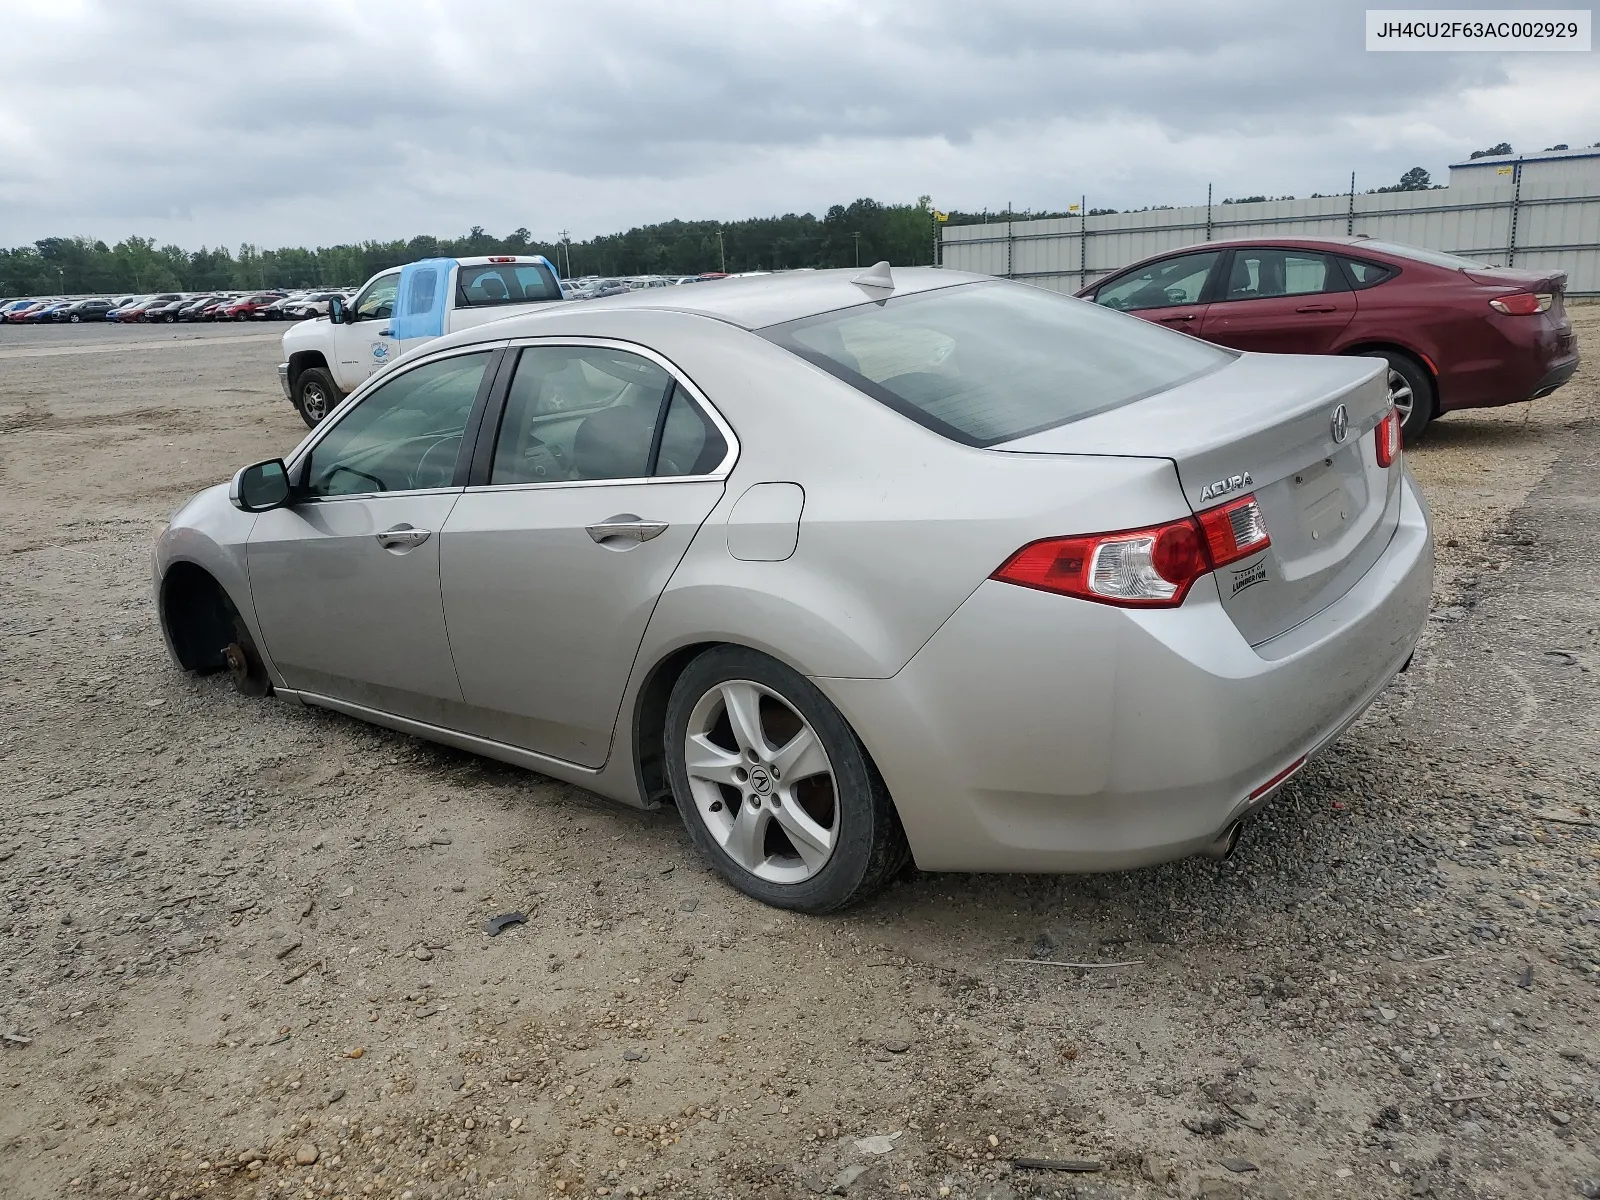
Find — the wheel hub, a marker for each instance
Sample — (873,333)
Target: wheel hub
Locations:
(761,782)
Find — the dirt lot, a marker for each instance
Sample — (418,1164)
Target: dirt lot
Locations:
(242,952)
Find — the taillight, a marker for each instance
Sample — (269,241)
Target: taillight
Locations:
(502,258)
(1387,435)
(1141,568)
(1234,531)
(1138,568)
(1523,304)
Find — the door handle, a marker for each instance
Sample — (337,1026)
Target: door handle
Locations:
(383,333)
(1185,317)
(626,527)
(1316,308)
(403,535)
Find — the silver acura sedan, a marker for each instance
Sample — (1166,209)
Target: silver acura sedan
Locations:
(849,568)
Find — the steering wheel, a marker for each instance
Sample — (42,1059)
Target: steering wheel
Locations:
(419,473)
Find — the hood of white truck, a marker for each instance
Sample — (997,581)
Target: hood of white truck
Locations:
(306,335)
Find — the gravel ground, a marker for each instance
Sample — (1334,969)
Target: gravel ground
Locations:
(243,952)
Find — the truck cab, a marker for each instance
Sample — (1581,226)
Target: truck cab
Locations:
(326,358)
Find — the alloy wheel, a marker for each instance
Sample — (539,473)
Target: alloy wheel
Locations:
(761,782)
(1401,395)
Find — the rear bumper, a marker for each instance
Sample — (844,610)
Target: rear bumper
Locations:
(1555,378)
(1509,360)
(1039,733)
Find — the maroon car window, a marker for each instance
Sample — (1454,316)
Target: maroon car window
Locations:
(1365,274)
(1262,272)
(1166,284)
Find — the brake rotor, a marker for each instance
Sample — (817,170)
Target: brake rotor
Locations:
(238,663)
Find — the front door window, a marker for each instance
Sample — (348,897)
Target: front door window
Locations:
(376,302)
(404,436)
(1166,284)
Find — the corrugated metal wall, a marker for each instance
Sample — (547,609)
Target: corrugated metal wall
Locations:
(1545,223)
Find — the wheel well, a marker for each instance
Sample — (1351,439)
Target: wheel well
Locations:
(198,617)
(1411,355)
(650,721)
(303,360)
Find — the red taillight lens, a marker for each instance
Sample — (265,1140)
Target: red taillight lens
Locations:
(1234,531)
(1141,568)
(1387,435)
(1523,304)
(1137,568)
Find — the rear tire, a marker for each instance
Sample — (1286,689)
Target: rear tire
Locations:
(780,796)
(1413,390)
(315,394)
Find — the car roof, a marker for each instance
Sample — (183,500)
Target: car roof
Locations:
(761,300)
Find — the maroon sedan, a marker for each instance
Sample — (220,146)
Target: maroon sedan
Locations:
(245,306)
(1457,333)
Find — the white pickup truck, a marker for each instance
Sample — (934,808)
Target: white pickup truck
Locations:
(327,358)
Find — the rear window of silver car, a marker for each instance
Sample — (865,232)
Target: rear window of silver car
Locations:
(986,363)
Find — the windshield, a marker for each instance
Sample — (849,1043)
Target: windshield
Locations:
(1437,257)
(990,362)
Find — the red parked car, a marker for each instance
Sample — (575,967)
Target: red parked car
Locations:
(244,306)
(1457,333)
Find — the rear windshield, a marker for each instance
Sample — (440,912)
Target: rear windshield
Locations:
(504,283)
(985,363)
(1417,254)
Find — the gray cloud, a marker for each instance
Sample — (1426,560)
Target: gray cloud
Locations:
(316,122)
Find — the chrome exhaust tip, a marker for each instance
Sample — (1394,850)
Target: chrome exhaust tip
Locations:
(1227,842)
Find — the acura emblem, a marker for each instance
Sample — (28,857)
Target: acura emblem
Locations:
(1340,423)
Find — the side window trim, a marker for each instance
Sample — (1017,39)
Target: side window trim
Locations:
(478,479)
(299,459)
(1216,285)
(663,407)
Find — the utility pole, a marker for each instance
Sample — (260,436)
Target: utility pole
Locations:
(722,252)
(566,241)
(857,237)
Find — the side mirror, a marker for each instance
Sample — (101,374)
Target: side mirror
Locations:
(261,487)
(336,311)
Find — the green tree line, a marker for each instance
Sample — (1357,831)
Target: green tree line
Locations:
(864,231)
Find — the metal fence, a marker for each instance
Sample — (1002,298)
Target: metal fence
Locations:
(1534,224)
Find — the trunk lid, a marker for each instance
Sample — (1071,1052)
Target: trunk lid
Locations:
(1265,425)
(1517,277)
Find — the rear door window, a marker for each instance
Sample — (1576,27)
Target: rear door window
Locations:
(1262,272)
(985,363)
(1166,284)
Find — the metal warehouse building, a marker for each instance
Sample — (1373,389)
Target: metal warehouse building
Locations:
(1552,166)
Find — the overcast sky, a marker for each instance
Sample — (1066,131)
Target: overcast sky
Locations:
(306,122)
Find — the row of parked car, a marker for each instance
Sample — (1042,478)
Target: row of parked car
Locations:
(273,304)
(172,307)
(594,287)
